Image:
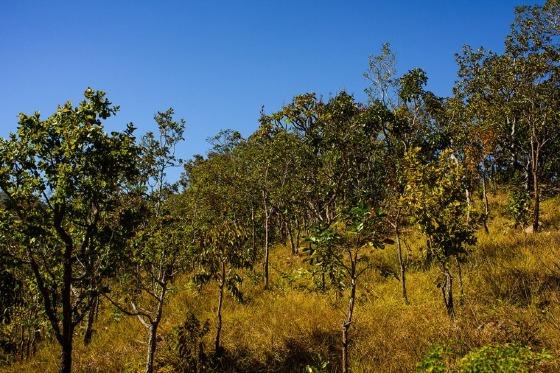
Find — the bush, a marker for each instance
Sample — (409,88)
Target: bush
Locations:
(508,358)
(518,206)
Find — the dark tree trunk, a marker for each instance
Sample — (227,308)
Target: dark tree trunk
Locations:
(67,322)
(346,325)
(152,344)
(266,233)
(485,198)
(536,197)
(291,235)
(222,283)
(447,290)
(91,318)
(460,277)
(401,261)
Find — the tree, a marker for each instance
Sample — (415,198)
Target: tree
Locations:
(223,225)
(516,93)
(344,247)
(158,249)
(435,193)
(62,178)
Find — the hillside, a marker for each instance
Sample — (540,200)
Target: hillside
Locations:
(511,296)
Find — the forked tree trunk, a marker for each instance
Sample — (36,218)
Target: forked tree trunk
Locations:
(154,324)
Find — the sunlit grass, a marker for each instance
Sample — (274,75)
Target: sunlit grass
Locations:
(512,294)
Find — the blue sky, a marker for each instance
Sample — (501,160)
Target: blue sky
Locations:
(218,62)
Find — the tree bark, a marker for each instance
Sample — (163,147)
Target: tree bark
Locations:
(346,325)
(67,322)
(152,344)
(536,192)
(217,346)
(291,235)
(460,277)
(485,198)
(154,325)
(91,318)
(447,290)
(401,261)
(266,254)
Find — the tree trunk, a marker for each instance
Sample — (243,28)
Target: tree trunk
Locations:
(67,322)
(217,346)
(254,229)
(460,277)
(152,343)
(485,198)
(468,197)
(401,261)
(447,290)
(266,223)
(91,318)
(536,192)
(66,358)
(291,235)
(298,233)
(346,326)
(154,324)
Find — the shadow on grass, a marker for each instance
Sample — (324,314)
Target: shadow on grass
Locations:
(295,357)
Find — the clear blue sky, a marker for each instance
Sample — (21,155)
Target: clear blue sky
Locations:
(218,62)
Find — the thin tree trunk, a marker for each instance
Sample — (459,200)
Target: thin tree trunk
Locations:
(91,318)
(266,254)
(536,192)
(217,346)
(468,197)
(67,322)
(346,325)
(291,235)
(152,344)
(298,233)
(460,277)
(154,325)
(254,230)
(401,261)
(447,290)
(485,198)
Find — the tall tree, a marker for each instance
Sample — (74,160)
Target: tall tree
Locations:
(62,178)
(158,249)
(435,194)
(516,94)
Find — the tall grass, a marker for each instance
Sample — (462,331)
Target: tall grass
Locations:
(512,295)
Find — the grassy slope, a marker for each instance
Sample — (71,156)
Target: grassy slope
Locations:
(512,294)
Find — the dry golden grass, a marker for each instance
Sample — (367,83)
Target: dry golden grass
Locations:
(512,294)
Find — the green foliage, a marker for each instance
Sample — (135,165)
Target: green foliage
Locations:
(508,358)
(519,206)
(435,193)
(435,360)
(63,179)
(187,352)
